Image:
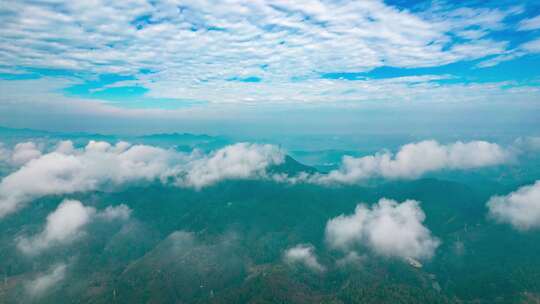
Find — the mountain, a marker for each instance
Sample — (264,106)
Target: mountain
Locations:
(292,167)
(180,141)
(184,141)
(225,243)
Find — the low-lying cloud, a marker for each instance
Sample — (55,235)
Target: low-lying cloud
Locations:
(303,254)
(387,228)
(24,152)
(528,144)
(238,161)
(520,208)
(415,159)
(46,281)
(66,224)
(100,164)
(20,154)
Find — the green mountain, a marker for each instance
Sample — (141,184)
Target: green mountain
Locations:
(225,243)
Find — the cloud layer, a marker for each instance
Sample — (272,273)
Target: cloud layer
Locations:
(241,38)
(239,161)
(100,164)
(416,159)
(24,152)
(248,52)
(20,154)
(387,228)
(520,208)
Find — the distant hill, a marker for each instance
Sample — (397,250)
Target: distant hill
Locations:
(12,132)
(292,167)
(15,134)
(181,141)
(184,141)
(176,136)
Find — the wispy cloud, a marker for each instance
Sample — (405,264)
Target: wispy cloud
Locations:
(208,39)
(46,281)
(99,165)
(529,24)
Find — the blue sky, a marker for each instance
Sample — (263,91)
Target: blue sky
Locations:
(214,66)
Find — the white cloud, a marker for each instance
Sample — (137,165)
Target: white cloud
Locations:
(20,154)
(520,208)
(82,170)
(303,254)
(510,55)
(238,161)
(66,224)
(274,40)
(352,258)
(65,147)
(63,225)
(529,24)
(334,36)
(24,152)
(526,48)
(100,165)
(527,144)
(46,281)
(387,228)
(329,91)
(416,159)
(532,46)
(120,212)
(228,97)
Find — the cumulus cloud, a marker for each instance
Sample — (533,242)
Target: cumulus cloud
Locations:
(46,281)
(120,212)
(100,164)
(65,147)
(20,154)
(238,161)
(387,228)
(24,152)
(520,208)
(66,224)
(63,225)
(303,254)
(416,159)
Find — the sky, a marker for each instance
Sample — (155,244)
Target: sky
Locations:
(268,68)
